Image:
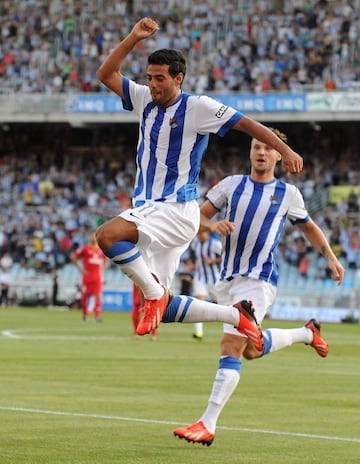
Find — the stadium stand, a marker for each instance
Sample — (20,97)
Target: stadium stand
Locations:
(52,46)
(58,181)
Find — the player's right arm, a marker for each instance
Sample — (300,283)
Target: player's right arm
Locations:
(75,261)
(109,73)
(292,162)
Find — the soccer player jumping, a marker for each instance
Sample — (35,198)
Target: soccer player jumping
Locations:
(146,241)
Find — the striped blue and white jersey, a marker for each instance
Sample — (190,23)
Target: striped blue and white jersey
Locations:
(172,142)
(259,211)
(212,248)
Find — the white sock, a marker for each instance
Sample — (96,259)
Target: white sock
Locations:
(189,309)
(128,257)
(225,382)
(281,338)
(199,329)
(139,273)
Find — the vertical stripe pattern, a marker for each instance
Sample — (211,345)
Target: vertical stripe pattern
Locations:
(259,211)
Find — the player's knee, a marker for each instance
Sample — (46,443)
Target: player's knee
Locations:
(105,236)
(232,345)
(251,353)
(99,235)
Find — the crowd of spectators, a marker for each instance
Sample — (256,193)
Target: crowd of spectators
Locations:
(50,203)
(53,194)
(48,210)
(56,46)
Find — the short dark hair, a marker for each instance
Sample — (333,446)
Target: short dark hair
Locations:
(173,58)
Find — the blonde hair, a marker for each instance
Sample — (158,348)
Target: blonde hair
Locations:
(280,134)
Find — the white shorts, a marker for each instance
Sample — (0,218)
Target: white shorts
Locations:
(261,293)
(201,288)
(165,231)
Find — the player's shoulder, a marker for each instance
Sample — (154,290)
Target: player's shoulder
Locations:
(226,185)
(291,192)
(206,102)
(138,91)
(233,180)
(291,188)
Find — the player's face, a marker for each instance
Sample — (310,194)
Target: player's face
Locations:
(203,235)
(164,88)
(263,158)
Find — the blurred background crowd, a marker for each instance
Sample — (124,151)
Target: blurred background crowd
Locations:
(56,46)
(58,183)
(50,200)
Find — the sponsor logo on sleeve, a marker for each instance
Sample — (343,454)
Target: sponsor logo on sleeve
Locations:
(221,111)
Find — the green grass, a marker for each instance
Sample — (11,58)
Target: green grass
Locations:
(74,392)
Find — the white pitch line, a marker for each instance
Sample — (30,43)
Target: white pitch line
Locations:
(31,334)
(36,334)
(10,334)
(156,421)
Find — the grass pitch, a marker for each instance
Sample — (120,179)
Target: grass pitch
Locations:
(76,393)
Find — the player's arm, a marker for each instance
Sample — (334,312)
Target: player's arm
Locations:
(106,264)
(75,262)
(109,73)
(215,260)
(318,240)
(207,211)
(292,162)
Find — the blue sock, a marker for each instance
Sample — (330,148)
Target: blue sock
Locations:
(230,362)
(171,314)
(122,252)
(267,339)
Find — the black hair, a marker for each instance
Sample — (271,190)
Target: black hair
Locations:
(173,58)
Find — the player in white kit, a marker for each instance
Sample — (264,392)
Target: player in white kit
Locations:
(147,241)
(257,206)
(207,249)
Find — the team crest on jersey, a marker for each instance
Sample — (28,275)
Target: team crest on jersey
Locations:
(220,112)
(173,123)
(274,199)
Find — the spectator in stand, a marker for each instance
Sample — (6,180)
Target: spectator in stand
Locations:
(55,287)
(5,281)
(6,261)
(93,265)
(56,46)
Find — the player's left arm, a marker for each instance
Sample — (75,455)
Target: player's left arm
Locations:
(318,240)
